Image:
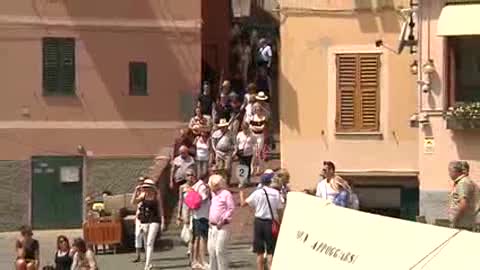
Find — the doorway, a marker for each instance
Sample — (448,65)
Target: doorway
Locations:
(57,192)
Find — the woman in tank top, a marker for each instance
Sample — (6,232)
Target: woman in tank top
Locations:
(150,214)
(257,125)
(202,157)
(64,255)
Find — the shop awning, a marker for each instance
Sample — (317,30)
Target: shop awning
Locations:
(459,20)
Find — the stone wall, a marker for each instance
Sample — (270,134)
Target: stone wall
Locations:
(116,175)
(14,194)
(434,204)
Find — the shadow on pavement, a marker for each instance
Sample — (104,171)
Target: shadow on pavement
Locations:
(171,259)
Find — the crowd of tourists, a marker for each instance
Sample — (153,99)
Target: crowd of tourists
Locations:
(235,126)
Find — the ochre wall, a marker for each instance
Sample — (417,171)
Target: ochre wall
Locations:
(308,89)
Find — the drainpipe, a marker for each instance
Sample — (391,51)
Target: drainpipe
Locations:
(81,150)
(419,55)
(84,186)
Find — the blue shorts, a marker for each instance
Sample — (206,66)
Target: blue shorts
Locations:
(200,228)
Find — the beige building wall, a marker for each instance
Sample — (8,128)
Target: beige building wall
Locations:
(310,40)
(102,116)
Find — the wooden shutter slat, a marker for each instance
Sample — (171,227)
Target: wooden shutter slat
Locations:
(346,84)
(50,65)
(369,88)
(68,65)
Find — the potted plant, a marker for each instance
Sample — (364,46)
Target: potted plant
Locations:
(464,116)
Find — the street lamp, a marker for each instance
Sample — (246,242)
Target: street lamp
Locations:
(428,69)
(414,67)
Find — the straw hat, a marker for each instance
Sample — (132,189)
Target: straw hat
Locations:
(261,96)
(223,123)
(226,83)
(149,183)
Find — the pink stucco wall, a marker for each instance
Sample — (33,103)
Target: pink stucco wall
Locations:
(449,145)
(165,34)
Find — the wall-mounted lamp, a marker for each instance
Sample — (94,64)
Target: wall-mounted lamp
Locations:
(414,67)
(81,149)
(429,67)
(423,119)
(414,121)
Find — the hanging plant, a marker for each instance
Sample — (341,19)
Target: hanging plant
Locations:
(464,115)
(465,111)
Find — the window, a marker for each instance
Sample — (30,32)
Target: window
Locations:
(138,79)
(358,84)
(463,70)
(58,66)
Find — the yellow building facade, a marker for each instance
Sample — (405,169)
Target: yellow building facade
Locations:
(345,100)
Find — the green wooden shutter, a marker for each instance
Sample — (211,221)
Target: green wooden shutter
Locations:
(67,52)
(50,65)
(58,66)
(138,78)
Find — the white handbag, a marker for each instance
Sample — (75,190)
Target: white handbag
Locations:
(186,234)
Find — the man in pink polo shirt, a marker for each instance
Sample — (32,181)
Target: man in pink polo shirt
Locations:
(221,211)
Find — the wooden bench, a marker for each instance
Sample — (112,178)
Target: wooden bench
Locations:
(103,232)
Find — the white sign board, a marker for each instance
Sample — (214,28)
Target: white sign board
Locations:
(70,174)
(429,145)
(241,172)
(316,234)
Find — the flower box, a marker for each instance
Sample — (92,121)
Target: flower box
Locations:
(462,124)
(464,116)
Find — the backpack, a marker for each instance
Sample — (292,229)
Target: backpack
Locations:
(353,201)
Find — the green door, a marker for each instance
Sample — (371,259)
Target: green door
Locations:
(57,192)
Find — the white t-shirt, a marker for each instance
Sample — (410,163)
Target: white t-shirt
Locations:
(258,200)
(245,143)
(202,150)
(325,191)
(223,142)
(204,209)
(183,165)
(266,53)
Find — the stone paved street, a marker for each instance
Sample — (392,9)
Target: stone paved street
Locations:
(171,257)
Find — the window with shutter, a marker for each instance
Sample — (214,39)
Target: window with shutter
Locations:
(358,84)
(58,66)
(138,79)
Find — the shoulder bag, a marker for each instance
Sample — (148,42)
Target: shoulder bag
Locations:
(275,223)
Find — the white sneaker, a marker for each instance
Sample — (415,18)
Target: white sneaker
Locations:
(148,267)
